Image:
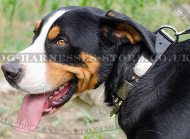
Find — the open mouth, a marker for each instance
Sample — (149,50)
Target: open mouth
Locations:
(35,106)
(58,97)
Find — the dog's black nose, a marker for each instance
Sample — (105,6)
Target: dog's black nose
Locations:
(11,69)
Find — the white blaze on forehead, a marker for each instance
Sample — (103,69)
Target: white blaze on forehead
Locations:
(45,29)
(39,44)
(34,80)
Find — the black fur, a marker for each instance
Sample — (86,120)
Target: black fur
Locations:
(159,105)
(122,70)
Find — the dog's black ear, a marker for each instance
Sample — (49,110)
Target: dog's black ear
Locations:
(123,27)
(131,39)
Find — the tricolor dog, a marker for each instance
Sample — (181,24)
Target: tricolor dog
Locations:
(86,47)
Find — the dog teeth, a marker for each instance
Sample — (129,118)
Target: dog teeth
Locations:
(55,102)
(56,92)
(66,84)
(59,99)
(63,97)
(47,110)
(50,97)
(61,88)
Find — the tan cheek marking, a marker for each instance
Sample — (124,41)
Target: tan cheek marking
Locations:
(56,74)
(91,62)
(82,74)
(37,24)
(53,33)
(123,31)
(92,66)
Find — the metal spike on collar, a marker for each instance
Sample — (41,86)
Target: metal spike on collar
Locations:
(120,97)
(118,103)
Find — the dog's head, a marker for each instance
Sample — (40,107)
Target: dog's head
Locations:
(76,48)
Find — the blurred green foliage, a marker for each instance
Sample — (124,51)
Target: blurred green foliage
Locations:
(18,16)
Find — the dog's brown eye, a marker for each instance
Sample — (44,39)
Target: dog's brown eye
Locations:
(61,42)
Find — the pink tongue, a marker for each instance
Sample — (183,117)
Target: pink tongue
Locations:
(30,112)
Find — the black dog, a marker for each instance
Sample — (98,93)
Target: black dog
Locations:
(87,39)
(159,106)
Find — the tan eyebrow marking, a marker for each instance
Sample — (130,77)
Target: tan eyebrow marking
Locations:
(37,24)
(54,32)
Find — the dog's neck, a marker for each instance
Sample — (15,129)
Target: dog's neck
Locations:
(93,100)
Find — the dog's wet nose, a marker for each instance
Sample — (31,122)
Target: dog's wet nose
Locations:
(11,69)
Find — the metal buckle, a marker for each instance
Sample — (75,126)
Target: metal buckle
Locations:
(171,28)
(177,34)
